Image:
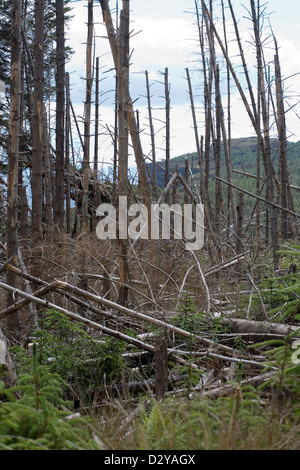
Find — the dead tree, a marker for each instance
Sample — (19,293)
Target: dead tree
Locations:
(13,160)
(282,143)
(37,128)
(60,117)
(133,128)
(195,126)
(167,98)
(123,98)
(269,170)
(67,158)
(152,135)
(87,120)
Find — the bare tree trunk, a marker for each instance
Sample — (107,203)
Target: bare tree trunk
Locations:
(186,179)
(22,196)
(96,187)
(97,105)
(239,226)
(115,139)
(13,325)
(60,117)
(167,98)
(87,120)
(152,135)
(47,180)
(134,132)
(67,159)
(195,126)
(217,151)
(282,142)
(37,129)
(123,98)
(267,146)
(161,369)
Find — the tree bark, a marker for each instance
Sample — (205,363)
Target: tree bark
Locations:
(123,98)
(37,128)
(13,325)
(60,117)
(87,120)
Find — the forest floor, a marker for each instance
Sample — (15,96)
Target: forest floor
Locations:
(221,379)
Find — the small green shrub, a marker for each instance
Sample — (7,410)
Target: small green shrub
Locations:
(34,415)
(81,362)
(195,322)
(281,294)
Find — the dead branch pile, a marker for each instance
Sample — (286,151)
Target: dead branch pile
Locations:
(212,354)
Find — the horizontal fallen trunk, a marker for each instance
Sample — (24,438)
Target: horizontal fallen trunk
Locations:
(238,325)
(229,389)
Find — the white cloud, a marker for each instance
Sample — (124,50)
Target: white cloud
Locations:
(158,42)
(162,42)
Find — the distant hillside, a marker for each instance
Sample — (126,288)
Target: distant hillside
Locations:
(243,157)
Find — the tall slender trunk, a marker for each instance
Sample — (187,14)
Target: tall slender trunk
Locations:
(67,159)
(96,187)
(269,170)
(22,196)
(134,132)
(13,161)
(47,180)
(60,116)
(195,126)
(282,142)
(87,120)
(167,98)
(123,98)
(152,135)
(37,128)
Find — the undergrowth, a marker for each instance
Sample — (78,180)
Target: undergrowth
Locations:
(34,415)
(83,364)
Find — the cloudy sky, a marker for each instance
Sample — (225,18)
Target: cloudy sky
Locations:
(164,34)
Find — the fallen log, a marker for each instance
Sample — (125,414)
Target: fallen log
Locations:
(22,303)
(238,325)
(227,389)
(92,324)
(141,316)
(69,296)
